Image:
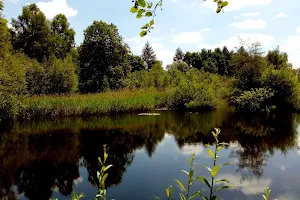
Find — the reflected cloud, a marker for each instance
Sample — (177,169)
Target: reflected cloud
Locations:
(190,149)
(78,180)
(286,197)
(246,186)
(283,168)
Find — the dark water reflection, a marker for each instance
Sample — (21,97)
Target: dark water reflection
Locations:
(54,158)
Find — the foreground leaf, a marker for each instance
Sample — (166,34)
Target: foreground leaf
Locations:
(180,184)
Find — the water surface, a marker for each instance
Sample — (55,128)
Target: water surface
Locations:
(53,158)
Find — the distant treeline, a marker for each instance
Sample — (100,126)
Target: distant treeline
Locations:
(39,57)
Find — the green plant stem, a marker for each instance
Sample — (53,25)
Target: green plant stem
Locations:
(212,178)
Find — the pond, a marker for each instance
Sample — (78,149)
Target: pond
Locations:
(54,158)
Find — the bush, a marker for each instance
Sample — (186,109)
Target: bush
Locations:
(60,76)
(284,83)
(198,89)
(256,100)
(12,86)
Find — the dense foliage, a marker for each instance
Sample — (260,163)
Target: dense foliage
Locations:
(39,57)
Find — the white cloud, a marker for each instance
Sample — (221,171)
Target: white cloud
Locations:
(235,41)
(173,1)
(298,29)
(54,7)
(280,15)
(173,30)
(247,187)
(187,38)
(237,4)
(249,24)
(162,53)
(292,47)
(250,14)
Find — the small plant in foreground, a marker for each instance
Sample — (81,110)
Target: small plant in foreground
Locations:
(213,171)
(102,175)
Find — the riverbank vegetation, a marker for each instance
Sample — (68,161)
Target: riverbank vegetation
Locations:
(43,73)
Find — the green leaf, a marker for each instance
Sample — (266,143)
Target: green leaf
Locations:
(105,157)
(185,172)
(224,143)
(104,178)
(139,16)
(213,198)
(203,180)
(148,14)
(182,197)
(107,167)
(180,184)
(229,163)
(219,148)
(215,171)
(218,9)
(168,192)
(204,197)
(141,3)
(223,187)
(134,9)
(211,153)
(143,33)
(222,180)
(100,160)
(157,198)
(208,168)
(151,22)
(224,3)
(196,194)
(141,11)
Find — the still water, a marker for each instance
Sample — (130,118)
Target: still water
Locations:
(54,158)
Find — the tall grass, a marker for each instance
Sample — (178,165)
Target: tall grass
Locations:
(91,104)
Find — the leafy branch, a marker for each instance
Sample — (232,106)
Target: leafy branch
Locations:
(143,8)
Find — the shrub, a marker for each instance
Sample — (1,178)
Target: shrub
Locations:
(12,86)
(256,100)
(284,83)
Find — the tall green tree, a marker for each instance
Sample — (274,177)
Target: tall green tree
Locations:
(31,32)
(249,65)
(102,55)
(278,59)
(62,39)
(5,37)
(148,55)
(137,63)
(179,55)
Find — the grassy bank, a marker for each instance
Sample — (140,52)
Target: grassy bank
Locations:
(91,104)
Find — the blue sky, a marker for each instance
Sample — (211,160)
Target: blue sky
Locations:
(189,24)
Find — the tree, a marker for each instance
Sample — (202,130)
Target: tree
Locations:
(278,59)
(179,65)
(102,55)
(62,36)
(148,55)
(30,33)
(137,63)
(60,75)
(5,38)
(179,55)
(249,66)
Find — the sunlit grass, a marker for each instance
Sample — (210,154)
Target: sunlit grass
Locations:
(92,104)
